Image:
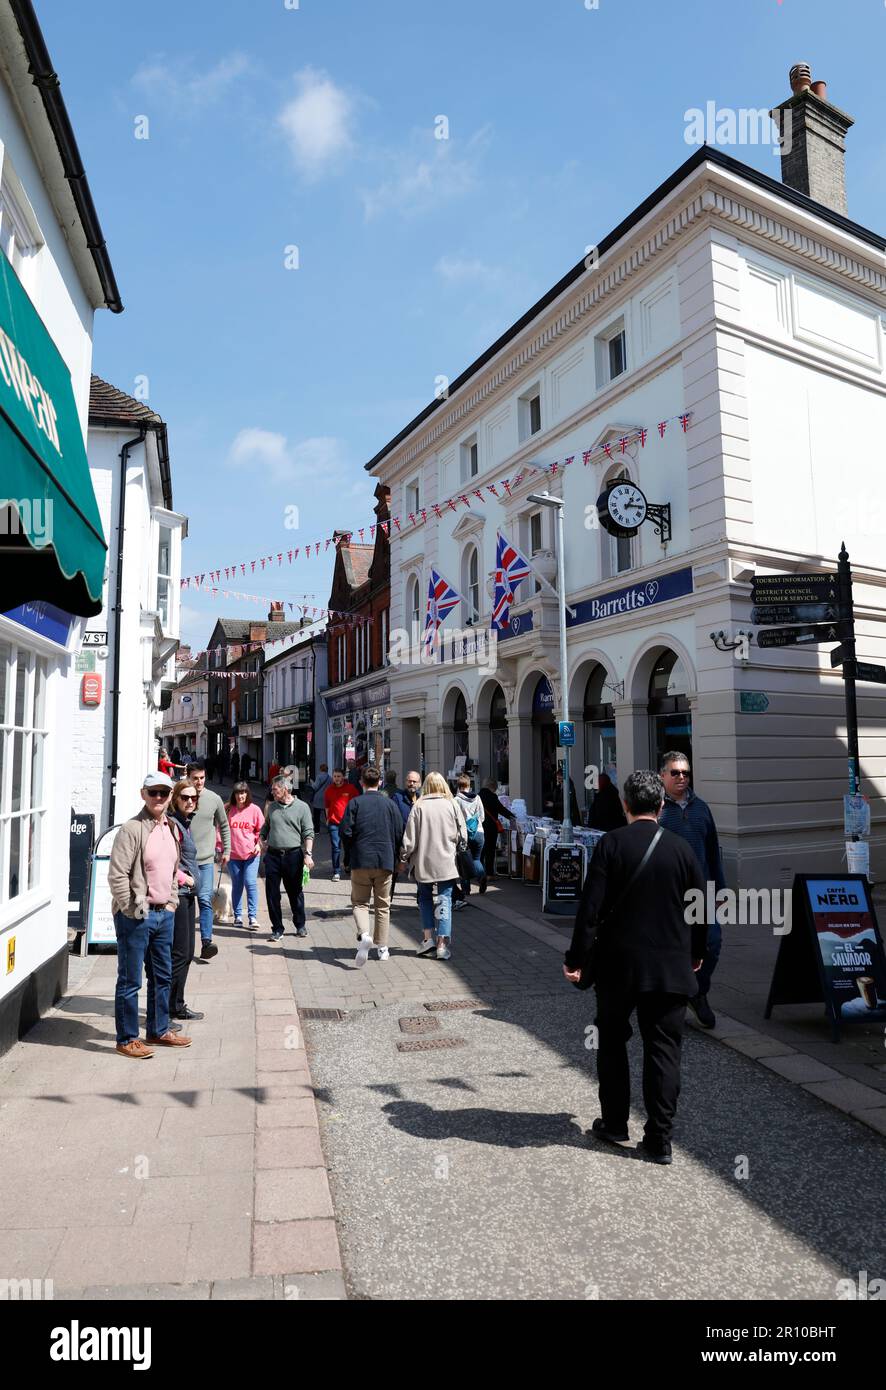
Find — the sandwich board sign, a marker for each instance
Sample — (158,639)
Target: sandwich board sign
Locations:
(833,952)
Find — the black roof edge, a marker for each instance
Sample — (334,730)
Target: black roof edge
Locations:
(709,154)
(46,80)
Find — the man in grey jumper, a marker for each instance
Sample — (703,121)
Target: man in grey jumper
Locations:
(209,816)
(288,833)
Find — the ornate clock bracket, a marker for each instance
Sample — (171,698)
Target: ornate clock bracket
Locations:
(659,513)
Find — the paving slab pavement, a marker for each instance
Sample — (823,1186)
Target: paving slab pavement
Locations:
(195,1175)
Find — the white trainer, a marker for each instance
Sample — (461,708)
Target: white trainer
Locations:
(426,948)
(383,953)
(336,878)
(443,951)
(363,949)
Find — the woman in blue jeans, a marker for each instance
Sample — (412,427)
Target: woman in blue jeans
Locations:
(246,821)
(434,831)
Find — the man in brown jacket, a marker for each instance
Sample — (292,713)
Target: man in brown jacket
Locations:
(143,879)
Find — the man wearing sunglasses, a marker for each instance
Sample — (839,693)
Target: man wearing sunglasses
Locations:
(688,816)
(143,880)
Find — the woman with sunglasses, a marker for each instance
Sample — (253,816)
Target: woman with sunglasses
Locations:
(182,805)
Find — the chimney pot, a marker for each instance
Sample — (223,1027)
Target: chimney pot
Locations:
(800,76)
(812,133)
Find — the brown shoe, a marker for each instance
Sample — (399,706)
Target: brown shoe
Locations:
(135,1049)
(170,1040)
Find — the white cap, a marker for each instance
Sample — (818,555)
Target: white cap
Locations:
(157,779)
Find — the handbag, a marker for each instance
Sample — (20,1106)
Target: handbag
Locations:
(588,972)
(463,861)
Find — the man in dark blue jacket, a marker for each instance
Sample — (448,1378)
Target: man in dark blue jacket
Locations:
(406,799)
(372,832)
(688,816)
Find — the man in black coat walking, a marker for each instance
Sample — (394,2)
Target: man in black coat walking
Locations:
(645,953)
(371,832)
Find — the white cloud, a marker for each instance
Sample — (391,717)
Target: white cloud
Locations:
(179,84)
(431,172)
(317,122)
(274,458)
(462,269)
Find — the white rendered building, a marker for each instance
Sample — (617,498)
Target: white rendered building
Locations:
(54,274)
(114,743)
(760,314)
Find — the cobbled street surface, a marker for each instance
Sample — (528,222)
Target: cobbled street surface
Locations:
(469,1172)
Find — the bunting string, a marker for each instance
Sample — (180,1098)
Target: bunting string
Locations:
(403,524)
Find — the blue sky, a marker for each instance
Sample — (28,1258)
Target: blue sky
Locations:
(272,127)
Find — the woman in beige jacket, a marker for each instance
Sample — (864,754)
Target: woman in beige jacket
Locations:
(435,830)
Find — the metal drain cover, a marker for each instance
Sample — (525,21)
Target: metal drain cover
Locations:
(323,1015)
(419,1025)
(446,1004)
(429,1044)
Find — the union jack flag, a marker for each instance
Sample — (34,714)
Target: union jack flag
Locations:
(510,569)
(442,598)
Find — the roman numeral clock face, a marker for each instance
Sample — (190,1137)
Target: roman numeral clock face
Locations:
(622,509)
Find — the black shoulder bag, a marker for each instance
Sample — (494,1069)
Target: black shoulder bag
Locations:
(588,971)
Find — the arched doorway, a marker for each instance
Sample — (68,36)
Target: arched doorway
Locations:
(499,744)
(599,722)
(670,720)
(460,728)
(544,739)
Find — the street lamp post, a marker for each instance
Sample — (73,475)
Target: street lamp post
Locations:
(544,499)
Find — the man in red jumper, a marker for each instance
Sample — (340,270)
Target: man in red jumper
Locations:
(335,800)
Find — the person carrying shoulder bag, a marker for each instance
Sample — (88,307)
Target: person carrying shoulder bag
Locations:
(633,942)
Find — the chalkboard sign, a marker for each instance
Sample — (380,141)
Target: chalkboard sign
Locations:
(833,952)
(82,836)
(562,878)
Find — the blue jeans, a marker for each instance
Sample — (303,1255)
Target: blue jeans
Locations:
(475,850)
(335,841)
(437,925)
(205,885)
(713,946)
(149,942)
(244,874)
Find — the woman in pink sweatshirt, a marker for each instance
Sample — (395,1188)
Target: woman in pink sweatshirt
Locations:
(245,820)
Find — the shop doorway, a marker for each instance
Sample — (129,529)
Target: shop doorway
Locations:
(599,723)
(670,720)
(544,738)
(499,738)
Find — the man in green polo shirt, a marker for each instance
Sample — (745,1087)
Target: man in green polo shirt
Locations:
(288,833)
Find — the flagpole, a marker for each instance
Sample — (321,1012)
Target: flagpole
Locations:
(557,503)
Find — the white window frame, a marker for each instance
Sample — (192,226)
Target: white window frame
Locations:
(469,455)
(524,413)
(12,823)
(385,636)
(413,496)
(602,347)
(20,235)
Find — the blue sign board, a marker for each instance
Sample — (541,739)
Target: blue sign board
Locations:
(543,699)
(632,599)
(566,734)
(44,619)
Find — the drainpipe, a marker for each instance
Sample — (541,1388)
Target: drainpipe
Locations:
(113,766)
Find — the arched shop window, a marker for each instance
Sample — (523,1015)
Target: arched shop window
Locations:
(599,722)
(544,738)
(670,722)
(460,728)
(498,738)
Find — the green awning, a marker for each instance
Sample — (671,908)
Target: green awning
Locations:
(59,552)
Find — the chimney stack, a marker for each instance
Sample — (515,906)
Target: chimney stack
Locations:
(813,140)
(276,612)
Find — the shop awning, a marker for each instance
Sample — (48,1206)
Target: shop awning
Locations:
(52,547)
